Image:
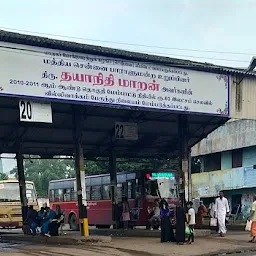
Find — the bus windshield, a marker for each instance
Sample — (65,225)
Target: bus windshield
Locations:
(162,187)
(9,192)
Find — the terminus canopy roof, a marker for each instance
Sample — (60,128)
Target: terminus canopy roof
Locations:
(158,130)
(115,53)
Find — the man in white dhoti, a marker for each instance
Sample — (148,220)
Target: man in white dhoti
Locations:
(221,210)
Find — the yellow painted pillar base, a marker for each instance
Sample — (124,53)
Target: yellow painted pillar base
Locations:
(85,226)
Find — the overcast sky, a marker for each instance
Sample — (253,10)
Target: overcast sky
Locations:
(202,25)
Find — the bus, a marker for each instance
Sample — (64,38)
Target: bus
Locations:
(10,205)
(141,188)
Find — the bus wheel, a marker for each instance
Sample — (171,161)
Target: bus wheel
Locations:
(73,223)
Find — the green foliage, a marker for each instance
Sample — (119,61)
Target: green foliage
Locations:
(3,176)
(41,171)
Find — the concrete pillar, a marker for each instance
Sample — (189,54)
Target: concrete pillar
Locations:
(113,182)
(184,158)
(78,117)
(22,184)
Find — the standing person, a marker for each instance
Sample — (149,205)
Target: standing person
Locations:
(211,212)
(211,208)
(125,212)
(253,219)
(221,211)
(60,218)
(180,224)
(202,212)
(166,228)
(191,221)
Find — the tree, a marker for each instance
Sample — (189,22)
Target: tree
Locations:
(41,171)
(3,176)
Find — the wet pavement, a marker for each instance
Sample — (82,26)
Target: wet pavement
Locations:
(126,246)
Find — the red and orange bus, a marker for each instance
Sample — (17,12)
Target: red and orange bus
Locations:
(141,188)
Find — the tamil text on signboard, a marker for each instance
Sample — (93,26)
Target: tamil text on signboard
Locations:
(52,74)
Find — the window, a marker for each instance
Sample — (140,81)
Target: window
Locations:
(51,195)
(73,195)
(67,195)
(96,193)
(212,162)
(119,192)
(237,158)
(131,189)
(58,195)
(106,192)
(88,193)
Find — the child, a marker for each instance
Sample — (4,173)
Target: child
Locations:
(191,221)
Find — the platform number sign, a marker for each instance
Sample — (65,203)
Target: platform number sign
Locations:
(119,131)
(25,110)
(126,131)
(33,111)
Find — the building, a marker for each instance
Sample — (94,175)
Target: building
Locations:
(1,166)
(227,161)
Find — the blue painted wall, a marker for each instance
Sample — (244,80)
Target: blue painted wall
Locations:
(249,156)
(226,160)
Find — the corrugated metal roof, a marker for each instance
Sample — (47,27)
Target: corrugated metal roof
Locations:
(39,41)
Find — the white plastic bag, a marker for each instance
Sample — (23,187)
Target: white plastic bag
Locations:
(213,222)
(248,225)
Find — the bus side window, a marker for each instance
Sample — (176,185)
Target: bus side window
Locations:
(106,192)
(125,189)
(88,193)
(67,195)
(119,192)
(96,193)
(61,195)
(73,195)
(51,195)
(131,189)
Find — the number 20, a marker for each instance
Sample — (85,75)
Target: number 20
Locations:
(26,110)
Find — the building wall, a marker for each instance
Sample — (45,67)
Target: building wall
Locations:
(1,166)
(243,98)
(249,156)
(226,160)
(232,135)
(246,201)
(208,184)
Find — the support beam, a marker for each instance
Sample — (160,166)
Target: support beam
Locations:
(113,182)
(78,114)
(22,184)
(184,158)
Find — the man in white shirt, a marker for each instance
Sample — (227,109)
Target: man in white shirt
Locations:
(221,210)
(191,221)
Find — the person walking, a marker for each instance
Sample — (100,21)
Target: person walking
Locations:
(253,219)
(220,212)
(167,234)
(191,221)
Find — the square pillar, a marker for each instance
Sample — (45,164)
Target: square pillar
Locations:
(22,184)
(113,186)
(185,163)
(78,117)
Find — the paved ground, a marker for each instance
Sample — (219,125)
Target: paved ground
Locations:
(120,246)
